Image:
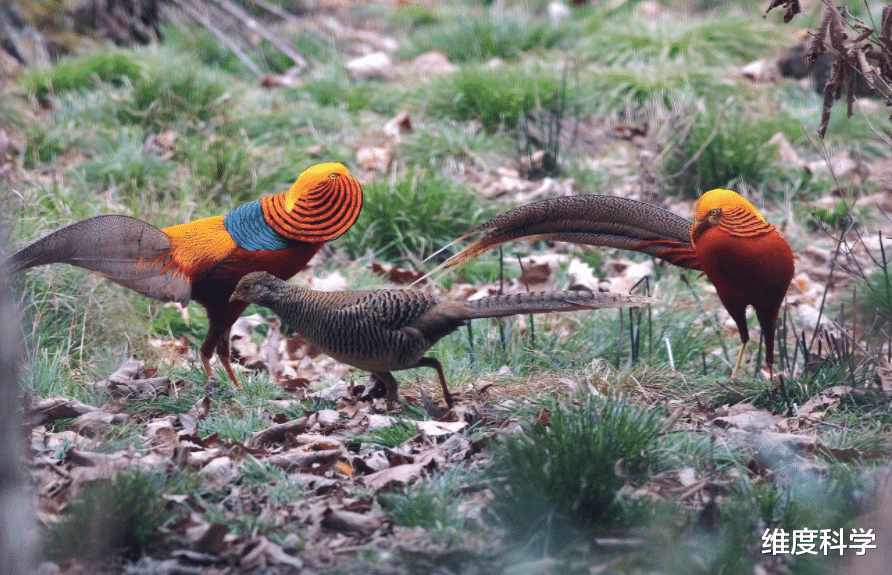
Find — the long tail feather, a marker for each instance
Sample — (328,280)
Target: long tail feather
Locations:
(122,249)
(545,302)
(606,221)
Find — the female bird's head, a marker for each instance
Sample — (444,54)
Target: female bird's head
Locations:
(256,287)
(322,204)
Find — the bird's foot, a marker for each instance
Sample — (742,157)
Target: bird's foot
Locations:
(213,388)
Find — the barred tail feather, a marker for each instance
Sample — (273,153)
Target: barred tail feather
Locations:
(545,302)
(122,249)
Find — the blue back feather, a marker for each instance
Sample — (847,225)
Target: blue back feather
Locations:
(250,231)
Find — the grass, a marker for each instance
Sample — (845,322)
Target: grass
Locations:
(723,147)
(494,97)
(486,34)
(410,214)
(431,504)
(566,470)
(81,72)
(122,517)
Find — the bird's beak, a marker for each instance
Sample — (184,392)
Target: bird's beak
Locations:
(233,298)
(700,225)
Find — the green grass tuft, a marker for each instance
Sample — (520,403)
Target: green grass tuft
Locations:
(408,216)
(119,517)
(429,504)
(565,474)
(723,147)
(497,33)
(82,72)
(495,97)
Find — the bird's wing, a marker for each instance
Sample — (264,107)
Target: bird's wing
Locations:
(122,249)
(392,309)
(606,221)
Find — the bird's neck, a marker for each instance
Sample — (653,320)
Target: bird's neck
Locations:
(250,230)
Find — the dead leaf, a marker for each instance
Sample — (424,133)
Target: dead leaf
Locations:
(150,387)
(432,64)
(196,413)
(349,521)
(96,423)
(884,375)
(289,79)
(259,552)
(399,124)
(394,274)
(745,416)
(305,458)
(432,427)
(54,408)
(161,435)
(277,433)
(398,474)
(827,399)
(374,158)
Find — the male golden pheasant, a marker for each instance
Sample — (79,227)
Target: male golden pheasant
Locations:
(388,330)
(204,259)
(747,260)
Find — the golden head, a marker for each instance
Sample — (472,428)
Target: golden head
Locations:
(710,205)
(311,178)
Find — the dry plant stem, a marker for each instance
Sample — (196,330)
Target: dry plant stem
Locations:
(204,20)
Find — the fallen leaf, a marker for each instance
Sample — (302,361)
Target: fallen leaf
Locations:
(53,408)
(745,416)
(398,474)
(374,158)
(96,423)
(349,521)
(433,427)
(827,399)
(277,433)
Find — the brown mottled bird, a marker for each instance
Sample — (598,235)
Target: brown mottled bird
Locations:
(389,329)
(748,261)
(204,259)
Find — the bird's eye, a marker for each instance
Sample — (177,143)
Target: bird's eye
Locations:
(333,175)
(715,212)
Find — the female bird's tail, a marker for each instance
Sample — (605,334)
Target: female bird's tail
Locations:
(553,301)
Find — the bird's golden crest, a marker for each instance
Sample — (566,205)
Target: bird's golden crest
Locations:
(310,178)
(719,200)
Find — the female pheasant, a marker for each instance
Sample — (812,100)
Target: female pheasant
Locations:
(388,330)
(204,259)
(748,261)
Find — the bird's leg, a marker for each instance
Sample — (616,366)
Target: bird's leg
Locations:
(207,351)
(392,386)
(435,363)
(224,356)
(221,316)
(739,360)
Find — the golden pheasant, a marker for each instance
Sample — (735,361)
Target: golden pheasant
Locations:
(747,260)
(389,330)
(204,259)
